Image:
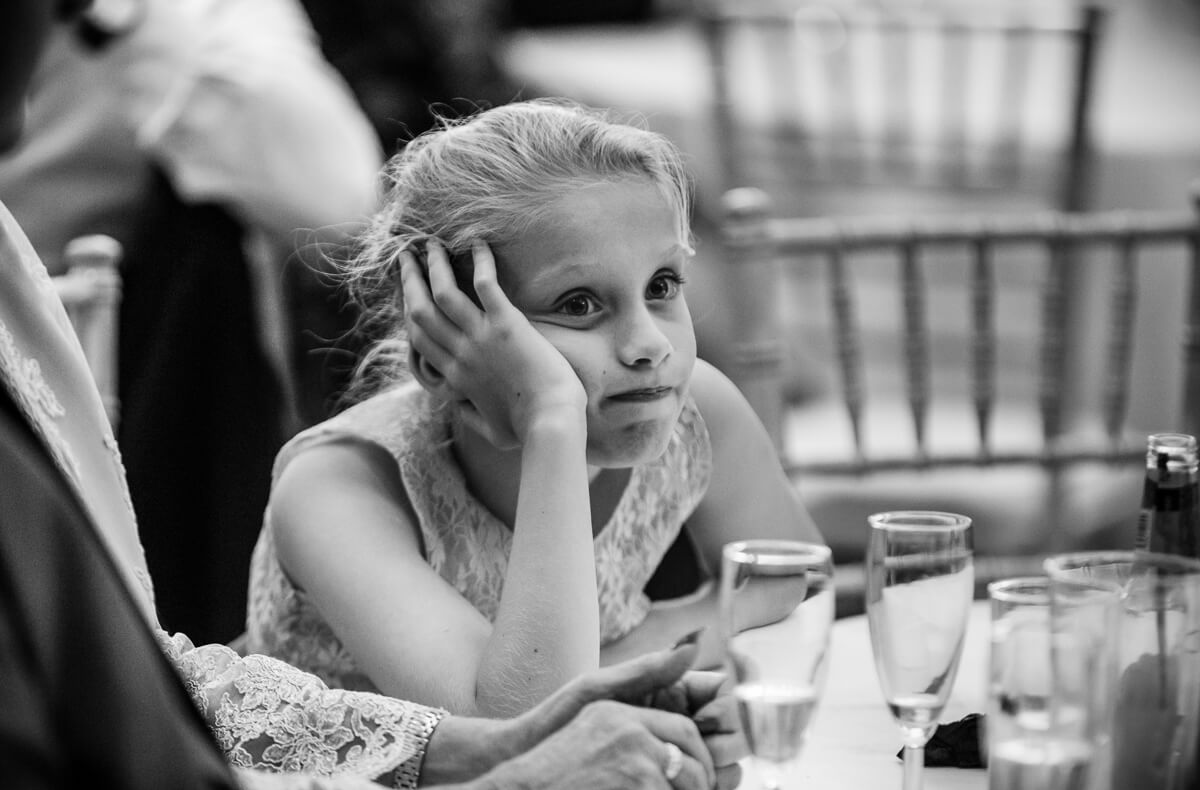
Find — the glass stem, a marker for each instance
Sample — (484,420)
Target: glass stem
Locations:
(770,773)
(914,764)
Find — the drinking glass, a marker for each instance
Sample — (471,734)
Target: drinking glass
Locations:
(776,614)
(1048,712)
(920,582)
(1156,677)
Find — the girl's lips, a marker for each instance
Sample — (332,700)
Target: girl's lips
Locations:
(642,395)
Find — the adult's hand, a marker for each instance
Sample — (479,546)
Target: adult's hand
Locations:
(462,748)
(611,746)
(706,698)
(634,682)
(661,680)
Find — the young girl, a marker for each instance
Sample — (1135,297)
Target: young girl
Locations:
(482,533)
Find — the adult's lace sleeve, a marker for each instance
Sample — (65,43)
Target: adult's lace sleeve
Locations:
(269,715)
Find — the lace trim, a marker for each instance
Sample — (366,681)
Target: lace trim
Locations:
(141,573)
(269,715)
(37,401)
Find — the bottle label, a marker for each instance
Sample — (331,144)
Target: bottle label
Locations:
(1167,521)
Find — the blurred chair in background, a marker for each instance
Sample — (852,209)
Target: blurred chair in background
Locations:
(859,107)
(956,392)
(90,290)
(853,107)
(838,107)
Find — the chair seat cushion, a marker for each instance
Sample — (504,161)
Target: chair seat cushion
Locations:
(1016,508)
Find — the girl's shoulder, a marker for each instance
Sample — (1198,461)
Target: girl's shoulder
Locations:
(719,401)
(387,420)
(731,420)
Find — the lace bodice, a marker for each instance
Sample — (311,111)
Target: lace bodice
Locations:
(463,541)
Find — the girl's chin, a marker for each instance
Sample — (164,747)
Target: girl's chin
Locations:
(633,446)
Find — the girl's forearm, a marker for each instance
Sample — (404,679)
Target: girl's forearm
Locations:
(669,621)
(547,628)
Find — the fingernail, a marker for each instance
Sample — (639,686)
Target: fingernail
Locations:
(689,639)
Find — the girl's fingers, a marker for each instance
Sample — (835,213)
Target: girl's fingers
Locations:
(433,352)
(487,286)
(420,308)
(446,294)
(412,282)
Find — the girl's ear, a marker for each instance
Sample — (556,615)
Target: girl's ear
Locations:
(429,377)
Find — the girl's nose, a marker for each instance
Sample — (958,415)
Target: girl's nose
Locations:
(644,344)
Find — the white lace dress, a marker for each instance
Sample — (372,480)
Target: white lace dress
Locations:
(463,541)
(267,717)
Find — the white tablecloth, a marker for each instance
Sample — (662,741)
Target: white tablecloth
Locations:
(853,740)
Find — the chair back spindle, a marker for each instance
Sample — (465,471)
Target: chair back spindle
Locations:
(91,292)
(983,341)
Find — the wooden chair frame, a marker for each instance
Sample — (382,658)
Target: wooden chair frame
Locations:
(1012,28)
(758,247)
(754,241)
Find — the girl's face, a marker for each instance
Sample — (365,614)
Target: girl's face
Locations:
(600,275)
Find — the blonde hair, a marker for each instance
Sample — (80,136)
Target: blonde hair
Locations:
(488,177)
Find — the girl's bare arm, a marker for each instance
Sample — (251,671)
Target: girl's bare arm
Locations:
(346,534)
(749,496)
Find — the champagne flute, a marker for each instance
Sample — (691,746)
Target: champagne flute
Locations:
(776,615)
(920,582)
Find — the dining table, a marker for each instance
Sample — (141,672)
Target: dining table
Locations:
(853,741)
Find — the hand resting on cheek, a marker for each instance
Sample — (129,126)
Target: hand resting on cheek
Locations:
(504,375)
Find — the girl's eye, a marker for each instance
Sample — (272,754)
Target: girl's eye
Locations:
(577,305)
(664,286)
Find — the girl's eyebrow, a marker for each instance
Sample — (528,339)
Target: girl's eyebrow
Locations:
(557,272)
(571,270)
(687,250)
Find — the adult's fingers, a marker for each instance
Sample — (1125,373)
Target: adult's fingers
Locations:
(637,678)
(702,687)
(679,730)
(729,777)
(727,748)
(690,776)
(719,715)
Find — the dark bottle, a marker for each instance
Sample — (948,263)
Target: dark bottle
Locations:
(1169,521)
